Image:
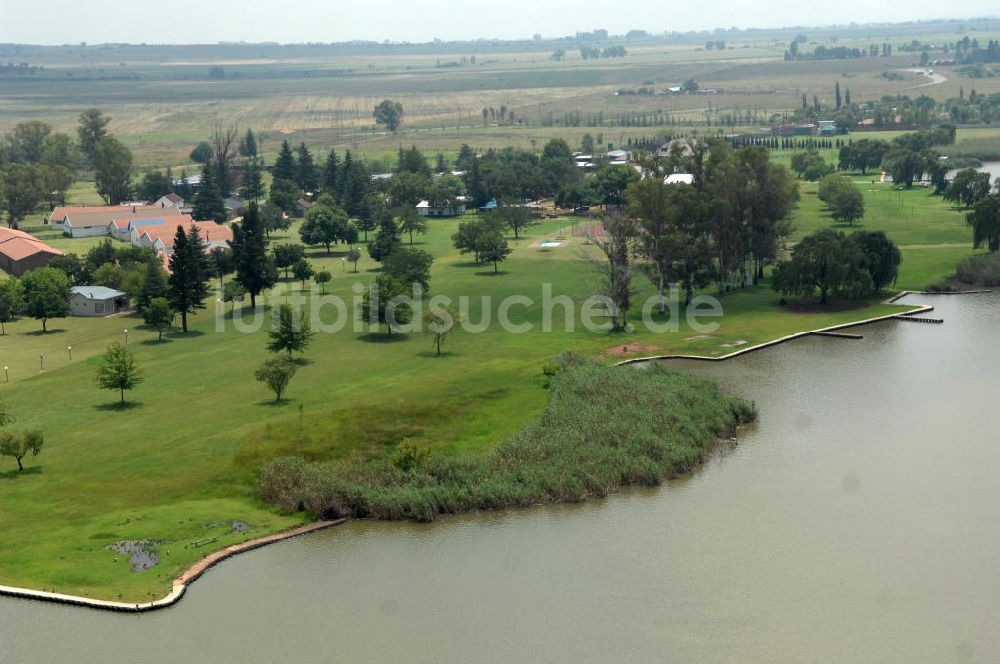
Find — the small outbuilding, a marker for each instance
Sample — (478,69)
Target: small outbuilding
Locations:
(96,301)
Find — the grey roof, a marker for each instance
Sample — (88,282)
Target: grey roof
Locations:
(96,292)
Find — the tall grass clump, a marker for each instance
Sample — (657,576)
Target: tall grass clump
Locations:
(979,270)
(604,428)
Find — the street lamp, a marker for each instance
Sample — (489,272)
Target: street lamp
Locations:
(6,373)
(126,337)
(69,349)
(41,362)
(343,262)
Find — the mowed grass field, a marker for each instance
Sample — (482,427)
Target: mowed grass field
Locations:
(182,458)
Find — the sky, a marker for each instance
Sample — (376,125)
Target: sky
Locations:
(209,21)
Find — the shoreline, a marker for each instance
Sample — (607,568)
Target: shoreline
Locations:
(193,573)
(921,309)
(180,584)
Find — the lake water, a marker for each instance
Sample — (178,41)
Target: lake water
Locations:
(991,167)
(856,522)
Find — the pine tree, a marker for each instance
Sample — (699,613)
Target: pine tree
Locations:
(208,202)
(836,93)
(255,269)
(331,173)
(847,97)
(253,179)
(305,170)
(188,274)
(284,166)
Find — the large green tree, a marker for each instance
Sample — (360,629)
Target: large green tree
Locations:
(289,332)
(208,202)
(390,114)
(11,301)
(985,222)
(255,269)
(113,170)
(23,188)
(968,187)
(46,294)
(844,201)
(326,226)
(827,261)
(92,126)
(189,274)
(118,370)
(379,305)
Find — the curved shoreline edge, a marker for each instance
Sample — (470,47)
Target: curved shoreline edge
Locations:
(193,573)
(180,584)
(922,309)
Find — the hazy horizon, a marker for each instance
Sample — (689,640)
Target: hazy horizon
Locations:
(188,22)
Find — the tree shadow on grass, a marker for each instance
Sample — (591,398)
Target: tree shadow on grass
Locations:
(434,356)
(491,273)
(384,337)
(247,312)
(178,334)
(119,407)
(39,333)
(271,403)
(302,361)
(468,264)
(156,342)
(15,473)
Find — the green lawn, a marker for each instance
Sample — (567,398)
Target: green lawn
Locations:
(184,455)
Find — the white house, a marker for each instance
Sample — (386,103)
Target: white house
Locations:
(96,301)
(424,209)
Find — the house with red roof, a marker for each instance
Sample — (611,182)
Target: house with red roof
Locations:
(21,252)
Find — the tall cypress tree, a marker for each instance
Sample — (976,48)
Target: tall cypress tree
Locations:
(188,274)
(255,269)
(284,166)
(208,202)
(331,173)
(306,175)
(836,93)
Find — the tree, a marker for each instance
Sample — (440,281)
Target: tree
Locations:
(985,222)
(409,266)
(323,277)
(202,153)
(252,188)
(113,170)
(11,301)
(968,187)
(255,270)
(276,373)
(286,255)
(46,294)
(118,370)
(882,257)
(28,140)
(188,274)
(154,185)
(154,285)
(386,239)
(248,145)
(353,256)
(284,195)
(493,248)
(410,221)
(224,143)
(289,333)
(306,175)
(91,128)
(614,266)
(208,202)
(303,271)
(158,315)
(284,166)
(903,165)
(514,216)
(324,225)
(439,323)
(390,114)
(20,445)
(233,292)
(842,198)
(23,188)
(380,305)
(827,261)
